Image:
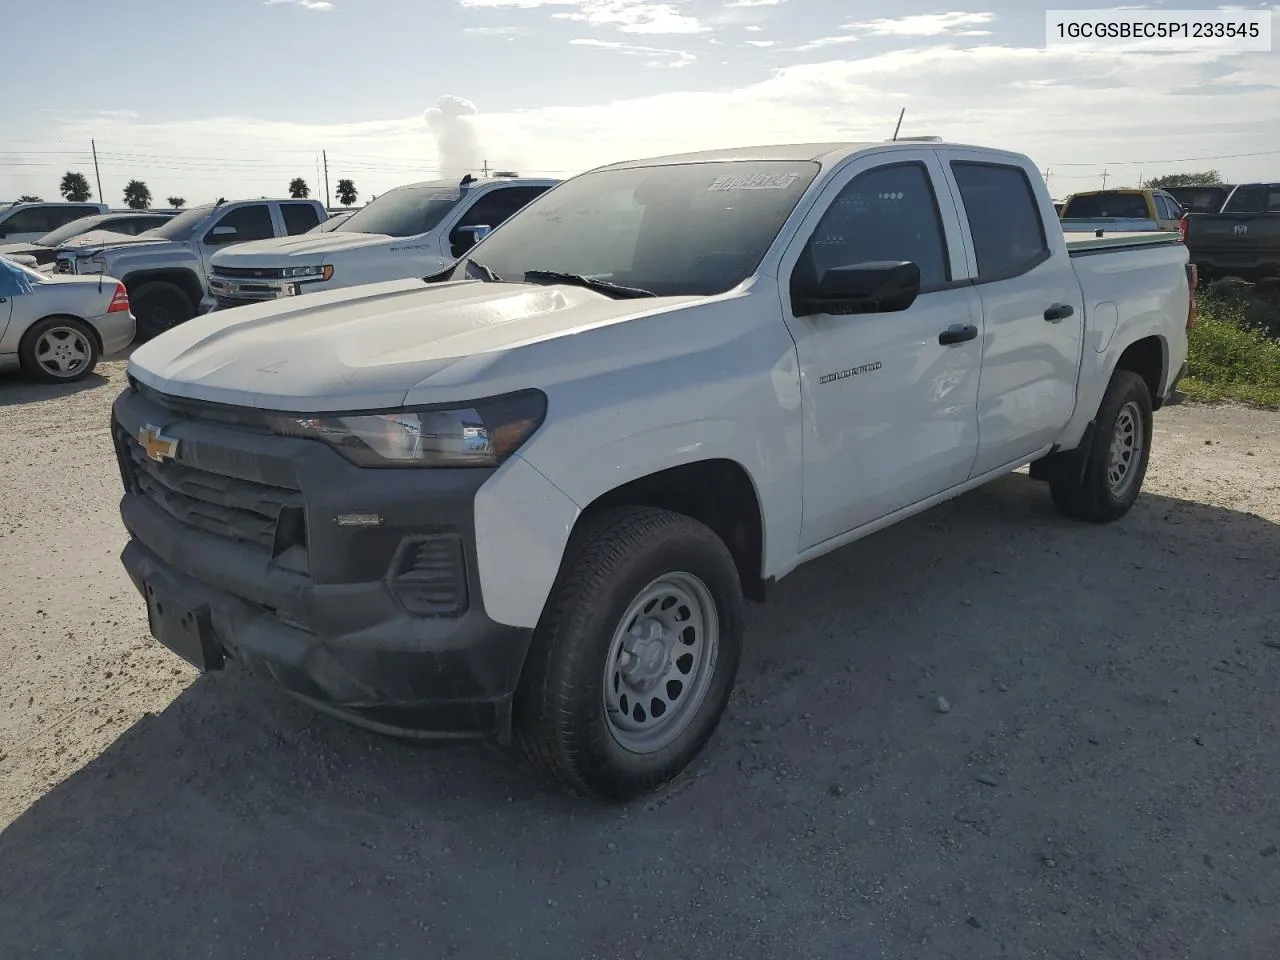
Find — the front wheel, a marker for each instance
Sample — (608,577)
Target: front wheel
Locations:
(157,307)
(632,667)
(1117,458)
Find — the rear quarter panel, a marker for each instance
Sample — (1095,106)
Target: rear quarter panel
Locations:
(1129,294)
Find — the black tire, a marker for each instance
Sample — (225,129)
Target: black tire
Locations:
(58,341)
(158,306)
(560,715)
(1095,497)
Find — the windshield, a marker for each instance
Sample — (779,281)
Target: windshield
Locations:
(688,229)
(55,238)
(1254,198)
(327,226)
(1090,206)
(404,211)
(183,226)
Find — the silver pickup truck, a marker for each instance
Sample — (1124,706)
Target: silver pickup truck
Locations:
(166,269)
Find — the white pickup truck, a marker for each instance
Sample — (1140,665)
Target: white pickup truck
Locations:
(407,232)
(165,269)
(527,497)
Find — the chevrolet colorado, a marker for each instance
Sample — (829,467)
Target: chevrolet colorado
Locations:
(527,497)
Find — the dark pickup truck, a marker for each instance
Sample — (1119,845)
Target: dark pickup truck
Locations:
(1243,239)
(1207,198)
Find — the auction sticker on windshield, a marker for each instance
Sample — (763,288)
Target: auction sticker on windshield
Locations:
(755,181)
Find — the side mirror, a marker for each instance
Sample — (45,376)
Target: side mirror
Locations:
(467,237)
(223,232)
(885,286)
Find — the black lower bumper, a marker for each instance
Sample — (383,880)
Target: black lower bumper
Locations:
(333,629)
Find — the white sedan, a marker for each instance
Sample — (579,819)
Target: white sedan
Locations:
(55,327)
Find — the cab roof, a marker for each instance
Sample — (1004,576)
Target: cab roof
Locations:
(823,153)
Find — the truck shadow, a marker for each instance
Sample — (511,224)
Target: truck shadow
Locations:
(1084,669)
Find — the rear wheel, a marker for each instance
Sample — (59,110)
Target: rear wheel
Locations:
(633,664)
(1117,458)
(58,350)
(158,307)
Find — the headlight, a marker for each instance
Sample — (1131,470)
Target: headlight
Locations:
(308,273)
(478,434)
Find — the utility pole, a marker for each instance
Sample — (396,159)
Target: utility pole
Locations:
(327,202)
(94,147)
(484,170)
(1104,178)
(901,114)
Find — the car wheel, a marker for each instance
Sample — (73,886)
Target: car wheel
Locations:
(632,666)
(58,350)
(1118,453)
(158,307)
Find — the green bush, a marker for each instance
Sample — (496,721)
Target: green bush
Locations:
(1234,348)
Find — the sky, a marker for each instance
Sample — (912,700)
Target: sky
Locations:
(234,98)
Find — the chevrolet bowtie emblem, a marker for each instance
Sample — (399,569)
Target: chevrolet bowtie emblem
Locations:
(156,444)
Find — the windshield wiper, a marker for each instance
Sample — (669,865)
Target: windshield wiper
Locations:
(615,290)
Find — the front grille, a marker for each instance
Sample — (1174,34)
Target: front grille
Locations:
(250,273)
(269,517)
(64,266)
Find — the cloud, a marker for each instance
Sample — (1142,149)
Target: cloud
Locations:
(662,57)
(732,4)
(761,43)
(924,25)
(627,16)
(495,31)
(1065,107)
(822,42)
(305,4)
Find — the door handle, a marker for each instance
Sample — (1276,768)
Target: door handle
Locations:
(1058,311)
(957,334)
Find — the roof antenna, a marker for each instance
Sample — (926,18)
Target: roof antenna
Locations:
(899,126)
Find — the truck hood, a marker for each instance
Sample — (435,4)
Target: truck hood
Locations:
(105,239)
(368,347)
(307,248)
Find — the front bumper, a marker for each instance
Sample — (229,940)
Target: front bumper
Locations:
(304,600)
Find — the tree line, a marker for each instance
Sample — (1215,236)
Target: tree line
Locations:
(137,195)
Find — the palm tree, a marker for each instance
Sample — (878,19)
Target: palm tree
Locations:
(177,202)
(347,193)
(74,187)
(298,189)
(28,198)
(137,195)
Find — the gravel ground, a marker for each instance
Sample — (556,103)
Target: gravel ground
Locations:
(1098,779)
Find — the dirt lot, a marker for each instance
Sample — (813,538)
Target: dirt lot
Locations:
(1103,785)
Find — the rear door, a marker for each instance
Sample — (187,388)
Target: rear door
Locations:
(1032,307)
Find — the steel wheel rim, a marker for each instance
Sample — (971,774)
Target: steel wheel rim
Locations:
(1126,448)
(660,662)
(63,351)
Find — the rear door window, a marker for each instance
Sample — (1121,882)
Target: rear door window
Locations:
(299,217)
(1004,218)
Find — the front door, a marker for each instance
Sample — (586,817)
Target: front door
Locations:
(1032,305)
(889,410)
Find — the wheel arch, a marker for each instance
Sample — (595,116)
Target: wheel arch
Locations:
(718,492)
(1148,357)
(182,278)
